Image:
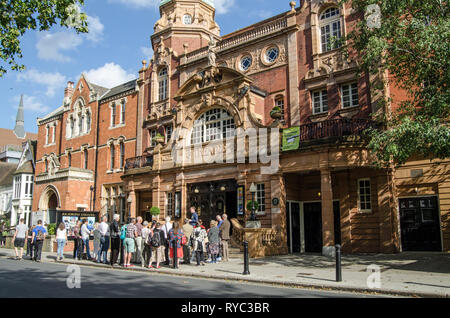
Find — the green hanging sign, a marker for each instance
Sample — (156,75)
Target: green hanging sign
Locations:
(291,138)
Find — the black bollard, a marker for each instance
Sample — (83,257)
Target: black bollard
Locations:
(246,265)
(175,258)
(338,264)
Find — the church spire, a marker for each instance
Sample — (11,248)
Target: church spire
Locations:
(19,129)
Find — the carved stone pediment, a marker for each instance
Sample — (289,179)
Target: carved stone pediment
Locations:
(210,77)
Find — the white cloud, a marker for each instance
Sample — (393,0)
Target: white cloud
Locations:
(53,81)
(95,29)
(31,103)
(109,75)
(147,51)
(223,6)
(138,3)
(51,46)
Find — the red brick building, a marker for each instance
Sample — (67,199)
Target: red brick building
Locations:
(322,192)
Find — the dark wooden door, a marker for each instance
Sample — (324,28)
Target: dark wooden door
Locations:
(420,226)
(313,227)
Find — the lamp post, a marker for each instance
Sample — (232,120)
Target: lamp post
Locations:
(122,204)
(253,190)
(92,191)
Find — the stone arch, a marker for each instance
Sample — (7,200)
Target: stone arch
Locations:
(50,199)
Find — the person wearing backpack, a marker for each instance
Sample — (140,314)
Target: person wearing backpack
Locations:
(38,238)
(147,250)
(158,243)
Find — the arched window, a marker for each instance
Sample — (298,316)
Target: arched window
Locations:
(330,29)
(113,115)
(72,126)
(215,124)
(80,124)
(162,84)
(112,157)
(122,155)
(86,158)
(69,159)
(47,133)
(88,121)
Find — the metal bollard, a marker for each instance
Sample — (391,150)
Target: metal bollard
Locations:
(338,264)
(246,263)
(175,256)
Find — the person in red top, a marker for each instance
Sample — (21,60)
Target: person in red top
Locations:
(176,237)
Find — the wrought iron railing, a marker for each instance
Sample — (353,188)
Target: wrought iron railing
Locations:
(139,162)
(334,128)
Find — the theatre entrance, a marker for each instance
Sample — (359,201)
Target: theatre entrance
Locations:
(213,198)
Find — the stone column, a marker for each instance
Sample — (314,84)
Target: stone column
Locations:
(327,214)
(133,205)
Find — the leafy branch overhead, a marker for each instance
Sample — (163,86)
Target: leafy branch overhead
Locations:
(19,16)
(411,41)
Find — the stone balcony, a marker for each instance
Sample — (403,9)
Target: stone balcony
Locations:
(66,174)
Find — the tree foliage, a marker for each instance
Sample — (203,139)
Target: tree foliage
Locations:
(411,43)
(19,16)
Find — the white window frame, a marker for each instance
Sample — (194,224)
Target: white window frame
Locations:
(322,105)
(351,90)
(112,157)
(215,124)
(365,210)
(187,19)
(47,134)
(279,102)
(169,133)
(113,115)
(122,112)
(330,26)
(163,84)
(261,198)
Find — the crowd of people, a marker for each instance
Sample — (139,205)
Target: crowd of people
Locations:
(151,244)
(148,244)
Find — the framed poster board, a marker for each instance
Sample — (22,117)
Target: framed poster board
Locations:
(70,218)
(240,200)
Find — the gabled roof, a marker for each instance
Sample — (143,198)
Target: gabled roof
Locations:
(8,138)
(54,113)
(99,89)
(7,173)
(131,85)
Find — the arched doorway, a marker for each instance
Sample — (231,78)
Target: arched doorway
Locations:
(49,203)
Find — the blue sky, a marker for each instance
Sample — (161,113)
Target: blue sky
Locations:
(110,54)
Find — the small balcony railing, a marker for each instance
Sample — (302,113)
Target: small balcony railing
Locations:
(139,162)
(334,128)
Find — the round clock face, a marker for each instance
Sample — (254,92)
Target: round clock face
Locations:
(275,201)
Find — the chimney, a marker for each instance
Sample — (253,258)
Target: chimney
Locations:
(68,92)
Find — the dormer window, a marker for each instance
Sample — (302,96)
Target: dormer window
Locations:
(330,29)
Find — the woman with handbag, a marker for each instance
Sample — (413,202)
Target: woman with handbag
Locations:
(176,238)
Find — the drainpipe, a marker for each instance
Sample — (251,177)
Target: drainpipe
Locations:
(96,156)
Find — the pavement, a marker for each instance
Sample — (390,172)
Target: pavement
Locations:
(409,274)
(25,279)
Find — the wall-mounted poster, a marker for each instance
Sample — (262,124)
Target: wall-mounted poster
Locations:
(70,218)
(240,200)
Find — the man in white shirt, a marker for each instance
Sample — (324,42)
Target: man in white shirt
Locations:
(166,228)
(85,233)
(104,240)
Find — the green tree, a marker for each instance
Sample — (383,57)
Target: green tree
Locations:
(411,40)
(19,16)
